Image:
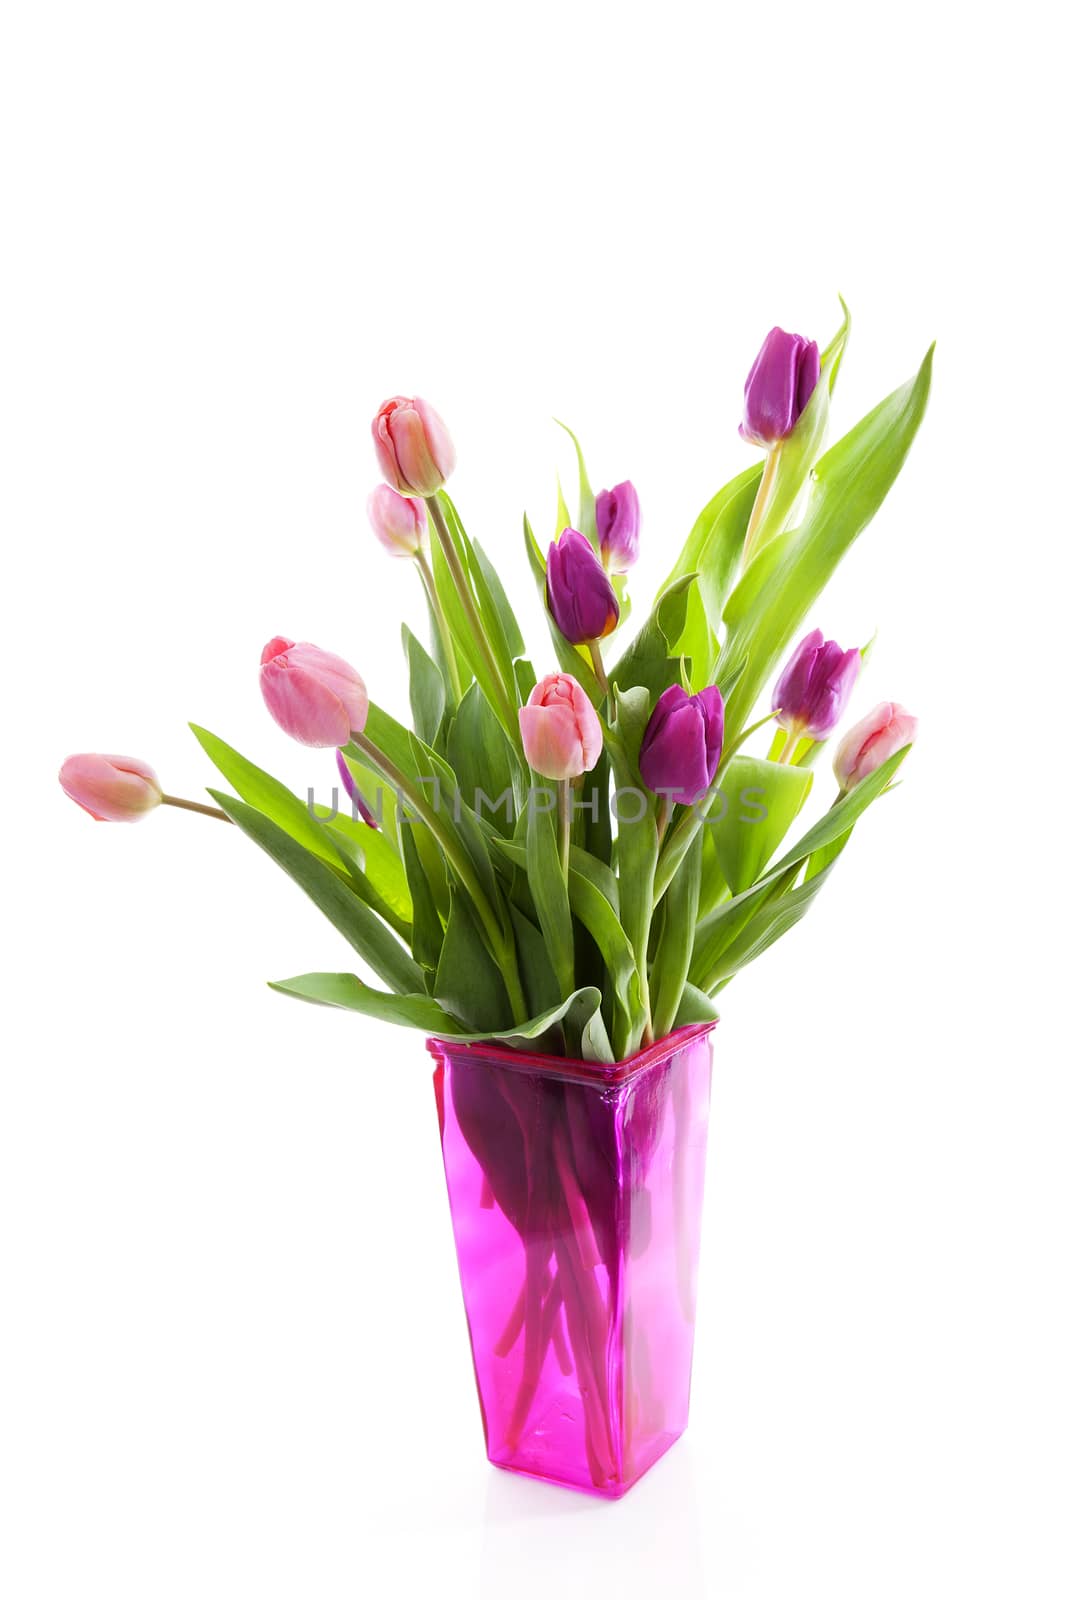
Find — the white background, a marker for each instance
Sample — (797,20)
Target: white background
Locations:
(234,1358)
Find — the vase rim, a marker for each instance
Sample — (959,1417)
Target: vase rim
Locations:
(571,1067)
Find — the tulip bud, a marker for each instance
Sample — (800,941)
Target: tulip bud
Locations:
(814,687)
(314,696)
(881,733)
(111,788)
(618,526)
(399,522)
(561,732)
(779,386)
(682,744)
(580,596)
(415,452)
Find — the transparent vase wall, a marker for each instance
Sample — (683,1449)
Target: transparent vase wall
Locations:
(576,1196)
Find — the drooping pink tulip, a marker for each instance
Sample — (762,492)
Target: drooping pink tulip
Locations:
(313,695)
(398,520)
(111,788)
(415,450)
(880,734)
(561,732)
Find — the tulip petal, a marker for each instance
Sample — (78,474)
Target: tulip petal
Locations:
(303,707)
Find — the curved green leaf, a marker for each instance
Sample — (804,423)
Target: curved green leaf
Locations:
(363,930)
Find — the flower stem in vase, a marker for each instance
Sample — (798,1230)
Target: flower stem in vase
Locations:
(587,1320)
(682,1243)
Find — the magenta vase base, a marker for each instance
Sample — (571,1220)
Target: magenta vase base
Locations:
(609,1491)
(576,1193)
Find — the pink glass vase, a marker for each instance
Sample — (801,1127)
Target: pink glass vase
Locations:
(576,1196)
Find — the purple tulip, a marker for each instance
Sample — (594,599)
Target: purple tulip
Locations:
(580,596)
(781,383)
(682,744)
(618,526)
(814,688)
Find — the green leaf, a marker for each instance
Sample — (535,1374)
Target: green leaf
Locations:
(574,1012)
(398,918)
(713,885)
(596,912)
(501,604)
(383,866)
(717,930)
(363,930)
(257,788)
(563,516)
(649,661)
(430,778)
(594,899)
(586,498)
(427,934)
(500,630)
(468,982)
(596,1046)
(480,754)
(344,989)
(599,874)
(538,979)
(548,888)
(427,688)
(773,919)
(418,1011)
(696,642)
(757,803)
(377,796)
(832,355)
(638,843)
(676,942)
(778,588)
(713,548)
(694,1006)
(593,808)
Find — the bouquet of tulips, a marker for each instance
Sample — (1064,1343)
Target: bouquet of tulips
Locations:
(580,860)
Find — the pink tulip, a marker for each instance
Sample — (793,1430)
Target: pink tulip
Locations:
(314,696)
(415,452)
(561,732)
(111,788)
(398,520)
(884,731)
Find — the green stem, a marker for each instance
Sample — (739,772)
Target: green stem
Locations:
(433,600)
(674,851)
(505,708)
(732,749)
(500,945)
(598,666)
(759,506)
(792,739)
(194,805)
(563,826)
